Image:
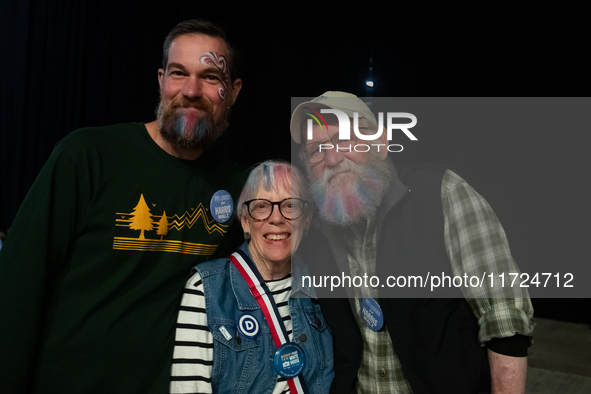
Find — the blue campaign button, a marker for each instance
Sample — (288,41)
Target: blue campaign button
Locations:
(221,206)
(248,325)
(289,360)
(372,314)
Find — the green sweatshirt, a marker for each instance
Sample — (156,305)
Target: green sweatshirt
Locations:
(92,270)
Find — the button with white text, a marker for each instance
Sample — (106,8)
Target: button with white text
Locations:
(248,325)
(221,206)
(372,314)
(289,360)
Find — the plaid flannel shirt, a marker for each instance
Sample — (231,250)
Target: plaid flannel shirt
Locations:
(475,243)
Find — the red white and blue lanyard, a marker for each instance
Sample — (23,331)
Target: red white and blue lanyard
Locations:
(264,298)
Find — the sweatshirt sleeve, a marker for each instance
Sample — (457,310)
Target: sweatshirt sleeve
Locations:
(33,255)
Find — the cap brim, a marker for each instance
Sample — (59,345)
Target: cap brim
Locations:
(295,124)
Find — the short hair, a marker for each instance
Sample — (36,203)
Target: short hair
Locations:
(274,175)
(207,28)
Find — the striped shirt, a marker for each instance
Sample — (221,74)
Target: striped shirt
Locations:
(193,348)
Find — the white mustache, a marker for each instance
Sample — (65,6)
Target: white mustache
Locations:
(344,166)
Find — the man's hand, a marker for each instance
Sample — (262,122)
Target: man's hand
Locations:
(507,373)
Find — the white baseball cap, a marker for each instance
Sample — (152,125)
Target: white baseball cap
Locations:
(346,102)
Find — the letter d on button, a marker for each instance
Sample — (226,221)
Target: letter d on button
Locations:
(248,325)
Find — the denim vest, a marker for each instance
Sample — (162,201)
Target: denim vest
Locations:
(245,365)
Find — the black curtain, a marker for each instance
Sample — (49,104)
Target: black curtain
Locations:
(71,64)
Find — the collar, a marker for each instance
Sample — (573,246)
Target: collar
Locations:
(396,192)
(298,271)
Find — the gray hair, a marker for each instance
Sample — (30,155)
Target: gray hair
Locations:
(274,175)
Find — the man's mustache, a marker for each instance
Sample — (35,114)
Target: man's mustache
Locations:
(183,102)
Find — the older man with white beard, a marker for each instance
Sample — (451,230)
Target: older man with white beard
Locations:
(383,219)
(92,271)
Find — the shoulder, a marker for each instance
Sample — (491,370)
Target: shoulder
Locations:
(194,281)
(101,132)
(87,138)
(83,149)
(452,181)
(421,173)
(212,267)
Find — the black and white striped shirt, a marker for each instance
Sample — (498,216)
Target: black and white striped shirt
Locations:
(193,349)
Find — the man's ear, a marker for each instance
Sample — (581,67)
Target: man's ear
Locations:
(160,77)
(236,86)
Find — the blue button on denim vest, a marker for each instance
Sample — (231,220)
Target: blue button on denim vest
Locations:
(243,364)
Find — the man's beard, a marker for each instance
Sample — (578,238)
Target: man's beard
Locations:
(342,201)
(189,130)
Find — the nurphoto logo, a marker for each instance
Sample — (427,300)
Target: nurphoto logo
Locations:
(345,129)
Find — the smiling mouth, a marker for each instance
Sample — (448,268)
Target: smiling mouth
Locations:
(277,237)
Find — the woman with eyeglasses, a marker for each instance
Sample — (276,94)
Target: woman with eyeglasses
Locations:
(246,323)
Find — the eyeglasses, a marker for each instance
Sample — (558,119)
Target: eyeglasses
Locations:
(315,154)
(261,209)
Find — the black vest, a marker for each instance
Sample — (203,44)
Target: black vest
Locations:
(435,338)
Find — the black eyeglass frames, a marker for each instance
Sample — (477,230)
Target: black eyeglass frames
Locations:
(290,208)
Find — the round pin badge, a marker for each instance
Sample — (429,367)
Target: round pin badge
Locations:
(248,326)
(221,206)
(372,314)
(289,360)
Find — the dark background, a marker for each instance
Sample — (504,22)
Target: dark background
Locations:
(71,64)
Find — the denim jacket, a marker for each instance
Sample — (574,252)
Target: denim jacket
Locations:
(245,365)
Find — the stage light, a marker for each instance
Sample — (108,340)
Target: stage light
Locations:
(369,83)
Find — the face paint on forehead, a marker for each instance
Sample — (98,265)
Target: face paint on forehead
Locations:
(220,63)
(213,58)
